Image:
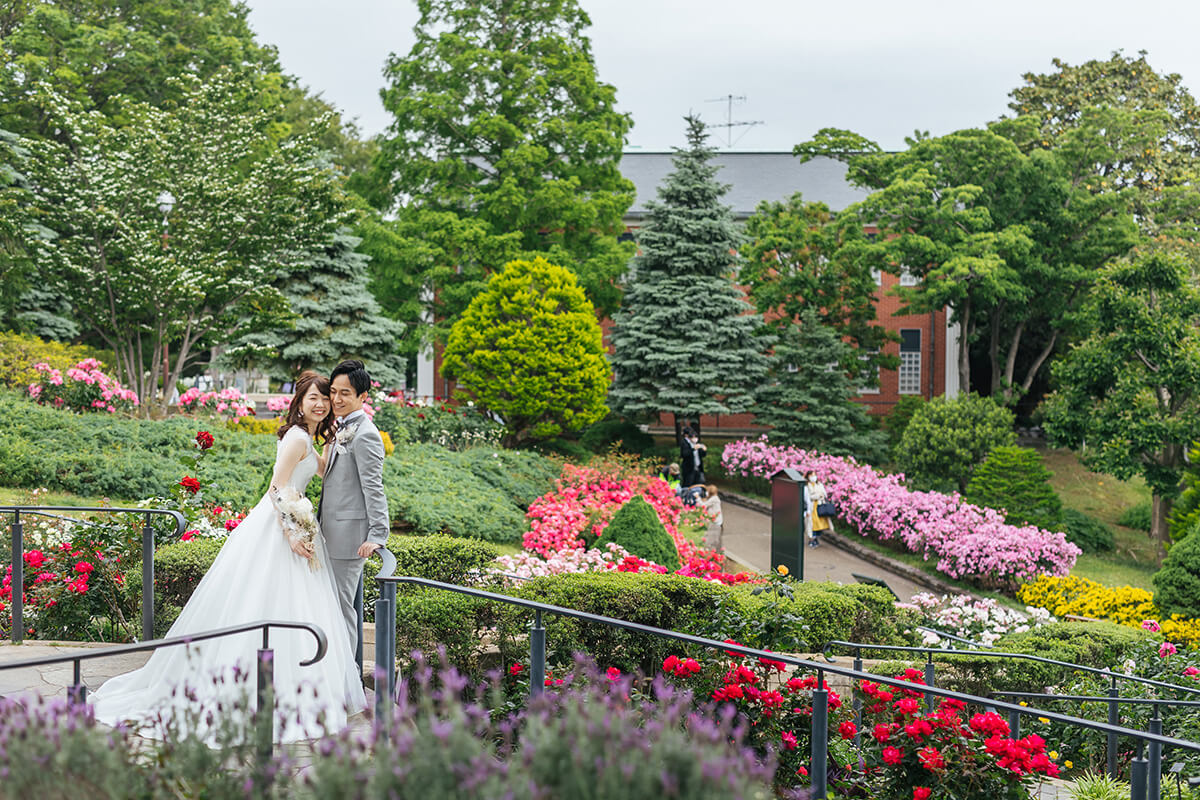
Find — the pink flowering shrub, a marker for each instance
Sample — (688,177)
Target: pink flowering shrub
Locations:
(230,403)
(279,405)
(85,387)
(968,542)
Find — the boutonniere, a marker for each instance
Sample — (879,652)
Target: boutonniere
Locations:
(343,437)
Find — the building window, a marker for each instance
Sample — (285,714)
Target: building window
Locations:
(878,276)
(910,361)
(870,372)
(907,278)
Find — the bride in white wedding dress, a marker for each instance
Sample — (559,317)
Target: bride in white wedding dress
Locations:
(260,574)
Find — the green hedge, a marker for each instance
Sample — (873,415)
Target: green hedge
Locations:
(637,528)
(122,458)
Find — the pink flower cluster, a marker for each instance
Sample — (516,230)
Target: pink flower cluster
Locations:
(586,501)
(86,388)
(968,541)
(578,559)
(278,404)
(227,402)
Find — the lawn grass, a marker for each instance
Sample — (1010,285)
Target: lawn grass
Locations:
(23,497)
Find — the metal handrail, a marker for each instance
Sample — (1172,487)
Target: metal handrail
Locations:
(265,669)
(385,662)
(1088,698)
(387,569)
(18,557)
(952,637)
(1108,673)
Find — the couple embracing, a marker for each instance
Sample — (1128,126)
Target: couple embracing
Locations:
(281,563)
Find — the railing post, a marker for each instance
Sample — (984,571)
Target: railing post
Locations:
(18,580)
(264,718)
(1156,755)
(77,694)
(358,610)
(858,706)
(1014,724)
(930,679)
(389,636)
(1137,776)
(147,581)
(385,658)
(1114,716)
(537,655)
(820,737)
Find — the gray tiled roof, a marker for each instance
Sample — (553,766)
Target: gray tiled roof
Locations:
(753,177)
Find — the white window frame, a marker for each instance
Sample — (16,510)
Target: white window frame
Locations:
(907,278)
(876,388)
(909,374)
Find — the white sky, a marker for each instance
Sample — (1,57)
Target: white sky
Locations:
(876,67)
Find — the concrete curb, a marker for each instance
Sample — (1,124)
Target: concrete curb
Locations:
(917,576)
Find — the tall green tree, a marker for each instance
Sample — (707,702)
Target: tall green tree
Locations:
(799,256)
(807,396)
(686,339)
(1009,242)
(336,318)
(529,349)
(498,117)
(18,224)
(1128,396)
(244,210)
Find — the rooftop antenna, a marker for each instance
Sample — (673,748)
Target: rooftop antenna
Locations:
(729,124)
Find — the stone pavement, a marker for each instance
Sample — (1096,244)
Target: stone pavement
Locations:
(747,540)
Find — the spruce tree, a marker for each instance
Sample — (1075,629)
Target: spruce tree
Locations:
(336,318)
(1016,480)
(807,398)
(685,338)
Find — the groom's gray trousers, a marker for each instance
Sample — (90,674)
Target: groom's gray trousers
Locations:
(346,574)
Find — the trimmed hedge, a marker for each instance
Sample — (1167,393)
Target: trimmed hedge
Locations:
(637,528)
(119,457)
(1177,583)
(448,559)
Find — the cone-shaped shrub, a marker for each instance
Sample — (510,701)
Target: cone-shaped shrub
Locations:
(638,529)
(1014,479)
(1177,584)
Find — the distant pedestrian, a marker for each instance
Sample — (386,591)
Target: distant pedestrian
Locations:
(691,457)
(715,532)
(814,523)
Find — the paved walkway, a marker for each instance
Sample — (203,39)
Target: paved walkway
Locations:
(747,540)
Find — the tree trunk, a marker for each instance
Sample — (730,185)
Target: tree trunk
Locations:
(1160,508)
(678,430)
(994,349)
(964,351)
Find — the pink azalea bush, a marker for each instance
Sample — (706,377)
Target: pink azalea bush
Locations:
(230,403)
(85,387)
(968,542)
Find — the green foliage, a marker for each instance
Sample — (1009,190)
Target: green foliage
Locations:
(530,350)
(18,226)
(899,416)
(637,528)
(794,260)
(336,318)
(452,427)
(600,436)
(124,459)
(1098,786)
(1015,480)
(807,399)
(1177,584)
(1091,535)
(1185,511)
(514,89)
(1131,390)
(684,340)
(946,439)
(19,352)
(481,505)
(1136,517)
(110,256)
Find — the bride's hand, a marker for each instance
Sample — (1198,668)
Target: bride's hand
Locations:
(300,548)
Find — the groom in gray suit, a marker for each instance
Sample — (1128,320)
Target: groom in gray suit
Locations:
(353,511)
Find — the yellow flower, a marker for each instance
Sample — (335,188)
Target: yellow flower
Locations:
(1045,721)
(1053,754)
(781,569)
(1022,703)
(1068,764)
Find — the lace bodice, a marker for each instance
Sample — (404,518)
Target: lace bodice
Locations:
(307,468)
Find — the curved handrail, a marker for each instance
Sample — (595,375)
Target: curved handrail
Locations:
(180,520)
(1108,673)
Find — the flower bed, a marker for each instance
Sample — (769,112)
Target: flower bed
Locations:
(1124,605)
(86,387)
(968,542)
(983,621)
(230,403)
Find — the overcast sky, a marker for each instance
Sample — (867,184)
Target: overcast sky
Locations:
(881,68)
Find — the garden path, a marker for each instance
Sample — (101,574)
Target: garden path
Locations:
(747,540)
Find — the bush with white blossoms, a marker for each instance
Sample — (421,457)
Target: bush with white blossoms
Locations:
(527,564)
(229,403)
(982,621)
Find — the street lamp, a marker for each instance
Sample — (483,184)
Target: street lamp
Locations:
(166,202)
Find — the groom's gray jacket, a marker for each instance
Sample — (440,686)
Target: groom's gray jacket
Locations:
(353,506)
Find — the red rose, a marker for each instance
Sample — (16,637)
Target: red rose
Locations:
(188,535)
(190,483)
(613,674)
(892,756)
(922,792)
(34,558)
(515,669)
(204,440)
(230,524)
(84,567)
(848,730)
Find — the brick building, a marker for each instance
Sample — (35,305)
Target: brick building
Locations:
(925,339)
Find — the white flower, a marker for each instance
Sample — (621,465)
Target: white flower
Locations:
(343,437)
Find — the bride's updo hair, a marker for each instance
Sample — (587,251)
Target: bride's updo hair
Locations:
(295,413)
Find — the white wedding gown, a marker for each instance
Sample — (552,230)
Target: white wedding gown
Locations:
(256,576)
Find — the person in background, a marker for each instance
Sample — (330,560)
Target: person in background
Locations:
(715,531)
(691,457)
(813,522)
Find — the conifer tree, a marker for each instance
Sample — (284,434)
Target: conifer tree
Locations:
(807,401)
(336,318)
(1016,480)
(685,340)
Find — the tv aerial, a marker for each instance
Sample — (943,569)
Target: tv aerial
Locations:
(729,124)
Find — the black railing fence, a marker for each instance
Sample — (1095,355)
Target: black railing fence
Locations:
(17,529)
(385,661)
